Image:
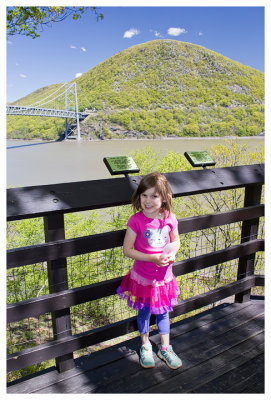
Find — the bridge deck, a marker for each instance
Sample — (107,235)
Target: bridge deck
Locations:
(222,351)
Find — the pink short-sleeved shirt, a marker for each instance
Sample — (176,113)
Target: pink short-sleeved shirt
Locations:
(152,237)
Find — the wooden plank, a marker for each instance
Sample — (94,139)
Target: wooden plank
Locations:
(107,376)
(64,346)
(97,359)
(87,244)
(259,280)
(64,248)
(140,382)
(192,357)
(249,231)
(70,344)
(211,358)
(214,314)
(193,347)
(57,301)
(90,380)
(209,340)
(35,201)
(71,297)
(207,260)
(211,297)
(58,281)
(230,382)
(40,381)
(211,220)
(228,363)
(230,314)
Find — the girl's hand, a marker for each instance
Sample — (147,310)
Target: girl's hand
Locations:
(162,261)
(169,258)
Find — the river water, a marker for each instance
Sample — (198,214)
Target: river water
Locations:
(32,163)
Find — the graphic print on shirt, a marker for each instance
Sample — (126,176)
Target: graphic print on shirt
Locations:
(157,237)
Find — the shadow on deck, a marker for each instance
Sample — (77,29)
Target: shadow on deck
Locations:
(222,351)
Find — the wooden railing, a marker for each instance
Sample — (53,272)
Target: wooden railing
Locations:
(52,201)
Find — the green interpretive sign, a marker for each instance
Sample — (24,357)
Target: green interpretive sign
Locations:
(121,165)
(199,158)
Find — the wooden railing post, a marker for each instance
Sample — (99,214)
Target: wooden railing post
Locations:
(249,232)
(58,281)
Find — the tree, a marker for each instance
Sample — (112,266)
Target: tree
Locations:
(29,21)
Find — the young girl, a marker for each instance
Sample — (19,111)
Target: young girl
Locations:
(150,286)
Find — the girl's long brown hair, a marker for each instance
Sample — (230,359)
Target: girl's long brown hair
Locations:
(162,187)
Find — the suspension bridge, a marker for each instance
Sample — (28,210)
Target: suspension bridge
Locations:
(62,103)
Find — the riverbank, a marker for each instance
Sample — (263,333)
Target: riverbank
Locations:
(162,138)
(40,163)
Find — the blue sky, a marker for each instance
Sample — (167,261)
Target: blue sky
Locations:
(71,48)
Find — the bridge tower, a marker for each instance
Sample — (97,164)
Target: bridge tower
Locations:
(61,105)
(71,98)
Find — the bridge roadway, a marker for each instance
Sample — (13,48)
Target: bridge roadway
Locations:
(43,112)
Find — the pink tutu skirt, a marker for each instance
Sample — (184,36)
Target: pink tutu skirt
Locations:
(139,292)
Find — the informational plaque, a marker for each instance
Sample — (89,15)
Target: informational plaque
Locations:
(199,158)
(121,165)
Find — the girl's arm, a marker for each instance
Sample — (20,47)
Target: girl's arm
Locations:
(174,246)
(129,250)
(175,240)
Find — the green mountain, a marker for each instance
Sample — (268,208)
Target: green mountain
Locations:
(160,88)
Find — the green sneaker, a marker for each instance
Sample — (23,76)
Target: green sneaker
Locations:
(146,357)
(168,355)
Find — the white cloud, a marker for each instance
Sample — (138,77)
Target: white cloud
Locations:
(22,76)
(73,47)
(157,34)
(9,42)
(130,33)
(200,33)
(78,74)
(175,31)
(83,49)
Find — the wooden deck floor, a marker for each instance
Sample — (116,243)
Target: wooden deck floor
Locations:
(222,352)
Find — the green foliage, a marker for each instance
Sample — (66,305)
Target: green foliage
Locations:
(165,88)
(24,127)
(29,21)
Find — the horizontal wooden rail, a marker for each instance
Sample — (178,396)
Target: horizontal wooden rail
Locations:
(87,244)
(259,280)
(59,347)
(64,248)
(57,301)
(196,223)
(204,299)
(72,297)
(218,257)
(36,201)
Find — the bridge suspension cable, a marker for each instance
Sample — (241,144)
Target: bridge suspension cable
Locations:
(38,103)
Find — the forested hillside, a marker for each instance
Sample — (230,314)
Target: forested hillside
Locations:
(159,88)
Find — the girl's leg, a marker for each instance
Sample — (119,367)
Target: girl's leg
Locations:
(166,352)
(163,325)
(146,355)
(143,322)
(164,340)
(145,338)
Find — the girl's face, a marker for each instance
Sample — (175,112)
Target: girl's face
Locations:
(151,203)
